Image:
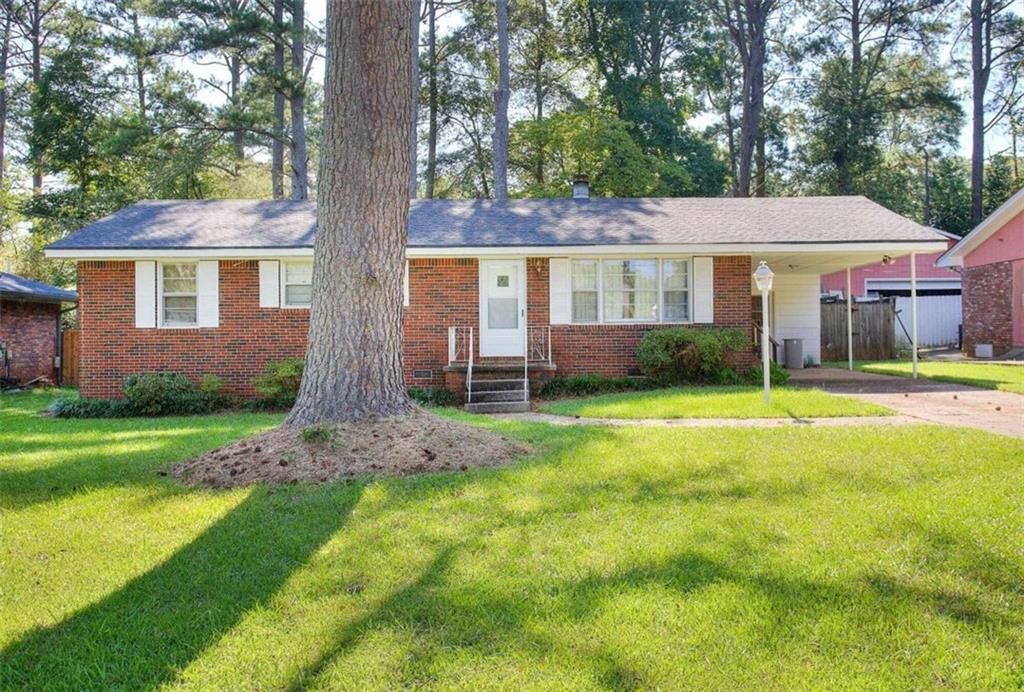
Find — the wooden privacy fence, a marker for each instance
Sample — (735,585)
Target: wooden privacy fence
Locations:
(874,330)
(69,357)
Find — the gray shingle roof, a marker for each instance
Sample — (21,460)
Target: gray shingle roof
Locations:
(248,224)
(14,286)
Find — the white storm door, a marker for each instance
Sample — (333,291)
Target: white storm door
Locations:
(502,307)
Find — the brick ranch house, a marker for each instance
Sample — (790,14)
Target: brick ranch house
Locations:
(30,328)
(991,260)
(566,286)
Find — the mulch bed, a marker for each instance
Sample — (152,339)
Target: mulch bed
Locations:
(413,444)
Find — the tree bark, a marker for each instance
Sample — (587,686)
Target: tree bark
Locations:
(299,158)
(414,39)
(36,42)
(277,146)
(354,354)
(5,52)
(499,158)
(432,98)
(980,70)
(238,134)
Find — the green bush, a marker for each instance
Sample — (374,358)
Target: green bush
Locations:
(72,407)
(684,355)
(150,394)
(586,385)
(433,396)
(777,374)
(279,384)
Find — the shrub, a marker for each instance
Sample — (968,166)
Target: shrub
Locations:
(777,374)
(682,355)
(170,393)
(73,407)
(433,396)
(279,383)
(150,394)
(586,385)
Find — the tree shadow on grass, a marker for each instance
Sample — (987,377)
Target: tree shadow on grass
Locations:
(144,634)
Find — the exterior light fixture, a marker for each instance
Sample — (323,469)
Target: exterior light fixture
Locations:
(764,278)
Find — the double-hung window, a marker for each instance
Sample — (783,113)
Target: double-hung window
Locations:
(298,284)
(178,294)
(585,291)
(631,290)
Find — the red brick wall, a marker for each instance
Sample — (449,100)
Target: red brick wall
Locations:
(443,293)
(610,349)
(987,307)
(29,330)
(248,336)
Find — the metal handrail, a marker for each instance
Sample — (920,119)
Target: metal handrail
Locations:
(460,349)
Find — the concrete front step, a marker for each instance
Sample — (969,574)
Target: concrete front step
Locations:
(499,407)
(498,395)
(498,385)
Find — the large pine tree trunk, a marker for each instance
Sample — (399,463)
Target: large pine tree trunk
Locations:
(36,41)
(354,357)
(300,163)
(277,146)
(501,96)
(238,134)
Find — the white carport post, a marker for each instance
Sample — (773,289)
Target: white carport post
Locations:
(913,312)
(849,319)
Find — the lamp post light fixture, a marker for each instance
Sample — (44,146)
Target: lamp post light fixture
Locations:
(763,277)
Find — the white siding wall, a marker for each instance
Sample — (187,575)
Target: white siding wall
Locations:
(938,320)
(798,311)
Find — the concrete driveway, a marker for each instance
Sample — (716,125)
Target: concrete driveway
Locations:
(926,400)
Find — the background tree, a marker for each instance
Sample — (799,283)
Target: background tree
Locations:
(353,361)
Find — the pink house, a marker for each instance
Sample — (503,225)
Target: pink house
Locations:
(893,278)
(991,259)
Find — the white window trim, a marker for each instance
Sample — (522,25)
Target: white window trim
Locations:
(599,259)
(285,305)
(161,323)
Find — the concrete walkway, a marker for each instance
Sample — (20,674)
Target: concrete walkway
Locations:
(953,405)
(838,421)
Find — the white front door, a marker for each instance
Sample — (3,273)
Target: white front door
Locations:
(502,307)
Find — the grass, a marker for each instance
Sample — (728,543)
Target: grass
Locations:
(1007,378)
(615,558)
(716,402)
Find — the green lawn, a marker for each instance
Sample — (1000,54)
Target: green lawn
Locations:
(617,557)
(1008,378)
(716,402)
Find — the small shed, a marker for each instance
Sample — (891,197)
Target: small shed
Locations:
(30,329)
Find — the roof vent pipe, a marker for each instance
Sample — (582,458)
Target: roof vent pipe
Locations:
(580,186)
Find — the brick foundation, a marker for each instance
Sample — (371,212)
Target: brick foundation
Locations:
(29,330)
(988,307)
(442,293)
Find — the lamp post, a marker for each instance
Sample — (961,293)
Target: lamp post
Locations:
(763,277)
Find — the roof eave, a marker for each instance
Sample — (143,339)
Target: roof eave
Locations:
(954,257)
(887,246)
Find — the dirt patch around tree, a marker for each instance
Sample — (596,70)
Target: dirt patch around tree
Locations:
(414,444)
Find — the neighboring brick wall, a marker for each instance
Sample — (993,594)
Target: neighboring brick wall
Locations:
(987,307)
(443,293)
(29,329)
(248,337)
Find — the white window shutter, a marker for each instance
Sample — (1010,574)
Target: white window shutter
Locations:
(405,285)
(208,293)
(703,289)
(145,294)
(270,284)
(560,290)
